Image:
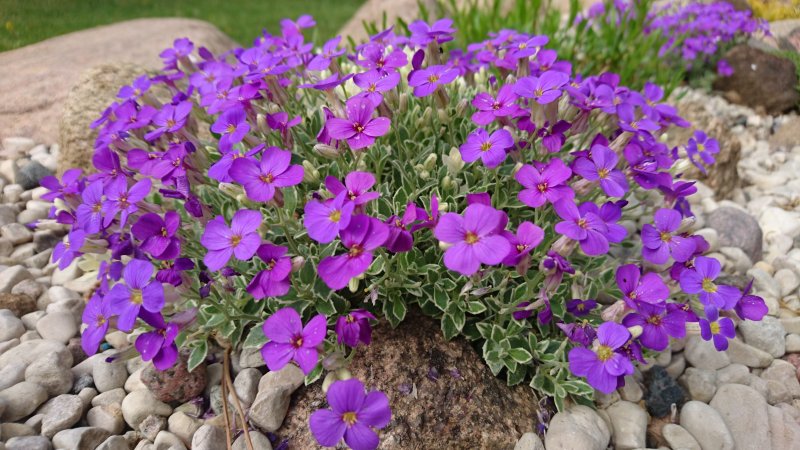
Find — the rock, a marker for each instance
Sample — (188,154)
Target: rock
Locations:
(766,334)
(631,391)
(16,233)
(17,303)
(28,287)
(208,437)
(13,275)
(29,175)
(58,326)
(788,280)
(10,326)
(9,430)
(109,375)
(736,228)
(784,430)
(577,427)
(274,393)
(151,426)
(49,372)
(168,441)
(112,397)
(82,382)
(29,443)
(678,438)
(251,358)
(246,386)
(777,220)
(662,392)
(703,355)
(134,382)
(785,374)
(739,352)
(175,384)
(84,438)
(745,413)
(490,414)
(676,365)
(759,79)
(735,373)
(707,426)
(76,350)
(21,400)
(108,417)
(139,404)
(792,343)
(60,413)
(114,443)
(182,425)
(528,441)
(11,374)
(261,442)
(629,423)
(15,146)
(699,383)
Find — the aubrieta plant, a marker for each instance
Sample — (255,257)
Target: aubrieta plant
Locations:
(284,198)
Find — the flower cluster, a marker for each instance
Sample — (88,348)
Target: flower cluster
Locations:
(487,187)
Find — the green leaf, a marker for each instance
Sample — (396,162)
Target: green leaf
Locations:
(440,298)
(314,375)
(516,377)
(449,327)
(475,307)
(520,355)
(255,338)
(198,355)
(289,199)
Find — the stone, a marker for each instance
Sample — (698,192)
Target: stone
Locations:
(208,437)
(577,427)
(274,393)
(84,438)
(759,80)
(736,228)
(678,438)
(16,146)
(784,374)
(114,443)
(16,233)
(29,443)
(251,358)
(739,352)
(109,375)
(631,391)
(108,417)
(60,413)
(9,430)
(139,404)
(168,441)
(735,373)
(528,441)
(184,426)
(246,386)
(780,221)
(10,327)
(49,372)
(662,392)
(21,400)
(28,287)
(76,350)
(11,374)
(490,414)
(29,175)
(87,394)
(112,397)
(745,413)
(766,334)
(788,281)
(784,430)
(629,423)
(81,382)
(176,384)
(151,426)
(12,276)
(58,326)
(792,343)
(19,304)
(707,426)
(703,355)
(701,384)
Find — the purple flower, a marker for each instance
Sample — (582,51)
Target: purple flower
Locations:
(702,147)
(120,199)
(274,280)
(425,81)
(220,170)
(158,345)
(330,50)
(661,240)
(66,251)
(422,34)
(138,292)
(717,329)
(96,316)
(373,57)
(700,280)
(588,228)
(724,69)
(637,288)
(491,149)
(580,333)
(553,138)
(658,324)
(70,185)
(580,308)
(351,416)
(545,88)
(363,235)
(602,167)
(324,220)
(359,129)
(522,312)
(400,239)
(628,121)
(170,271)
(374,82)
(751,307)
(289,340)
(158,235)
(274,171)
(89,214)
(489,108)
(136,89)
(354,328)
(474,237)
(241,239)
(356,185)
(603,367)
(545,184)
(527,238)
(170,119)
(232,126)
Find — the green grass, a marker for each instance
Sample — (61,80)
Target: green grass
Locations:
(24,22)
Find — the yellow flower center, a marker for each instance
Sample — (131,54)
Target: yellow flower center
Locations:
(666,237)
(136,296)
(335,216)
(231,128)
(521,247)
(581,306)
(268,178)
(604,353)
(296,341)
(235,240)
(655,320)
(538,92)
(170,123)
(709,286)
(602,173)
(433,78)
(101,319)
(542,187)
(349,418)
(355,251)
(471,238)
(714,327)
(371,88)
(271,264)
(582,223)
(358,127)
(164,232)
(486,146)
(701,147)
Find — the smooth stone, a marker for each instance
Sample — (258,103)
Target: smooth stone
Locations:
(29,443)
(139,404)
(134,381)
(213,377)
(58,327)
(49,372)
(60,413)
(109,375)
(788,281)
(168,441)
(21,400)
(10,327)
(261,442)
(578,427)
(8,345)
(677,365)
(151,426)
(112,397)
(251,358)
(745,413)
(629,423)
(84,438)
(11,374)
(208,437)
(678,438)
(701,384)
(29,175)
(17,233)
(246,385)
(703,355)
(739,352)
(784,430)
(707,426)
(792,343)
(107,417)
(785,374)
(114,443)
(30,319)
(735,373)
(11,429)
(12,276)
(274,393)
(766,334)
(184,426)
(31,288)
(631,391)
(777,220)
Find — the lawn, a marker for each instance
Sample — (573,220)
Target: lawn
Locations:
(24,22)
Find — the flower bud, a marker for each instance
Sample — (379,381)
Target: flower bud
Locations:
(334,361)
(310,173)
(426,116)
(353,285)
(261,123)
(447,183)
(443,116)
(635,331)
(327,151)
(444,245)
(613,312)
(424,175)
(517,166)
(682,165)
(297,263)
(403,106)
(330,378)
(461,107)
(453,161)
(430,162)
(231,190)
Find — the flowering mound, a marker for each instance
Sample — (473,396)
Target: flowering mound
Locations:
(493,188)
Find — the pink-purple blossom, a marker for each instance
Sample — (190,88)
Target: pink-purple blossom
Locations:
(545,183)
(661,240)
(474,238)
(289,340)
(359,129)
(491,149)
(274,171)
(324,219)
(603,366)
(138,292)
(353,328)
(362,236)
(273,281)
(426,81)
(241,239)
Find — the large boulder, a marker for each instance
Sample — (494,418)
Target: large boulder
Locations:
(759,80)
(38,77)
(439,392)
